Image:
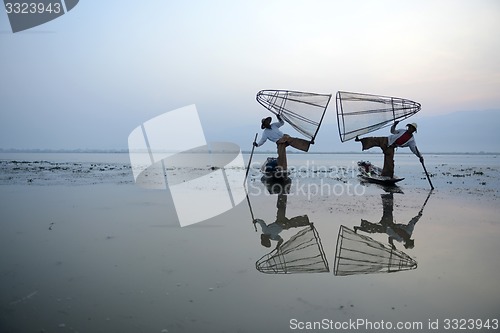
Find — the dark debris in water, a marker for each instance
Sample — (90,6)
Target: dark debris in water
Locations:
(16,172)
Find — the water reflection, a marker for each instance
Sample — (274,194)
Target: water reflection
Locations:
(277,185)
(395,231)
(356,252)
(301,253)
(272,231)
(359,254)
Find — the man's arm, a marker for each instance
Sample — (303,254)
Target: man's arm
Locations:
(262,224)
(263,138)
(280,121)
(391,242)
(393,127)
(414,220)
(280,241)
(415,151)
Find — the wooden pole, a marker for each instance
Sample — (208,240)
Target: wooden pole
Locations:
(250,160)
(427,174)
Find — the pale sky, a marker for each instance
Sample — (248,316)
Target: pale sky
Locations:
(88,78)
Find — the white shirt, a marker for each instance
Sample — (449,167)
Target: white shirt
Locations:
(410,143)
(272,230)
(272,134)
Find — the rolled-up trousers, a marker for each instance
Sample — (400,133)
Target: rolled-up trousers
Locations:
(286,141)
(383,143)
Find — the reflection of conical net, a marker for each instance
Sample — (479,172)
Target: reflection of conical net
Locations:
(360,254)
(303,253)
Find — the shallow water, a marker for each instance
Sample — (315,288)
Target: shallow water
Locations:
(109,256)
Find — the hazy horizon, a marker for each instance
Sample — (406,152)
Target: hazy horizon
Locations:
(88,78)
(485,141)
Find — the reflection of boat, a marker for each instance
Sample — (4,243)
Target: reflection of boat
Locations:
(271,172)
(303,253)
(276,181)
(360,254)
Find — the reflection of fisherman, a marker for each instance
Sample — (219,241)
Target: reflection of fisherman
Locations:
(402,232)
(396,231)
(272,231)
(399,138)
(271,132)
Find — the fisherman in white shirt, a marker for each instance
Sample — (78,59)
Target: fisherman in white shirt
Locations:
(272,133)
(272,231)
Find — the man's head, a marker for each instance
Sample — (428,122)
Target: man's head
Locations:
(409,244)
(266,122)
(412,127)
(265,240)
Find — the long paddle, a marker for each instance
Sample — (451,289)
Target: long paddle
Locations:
(250,160)
(251,212)
(427,174)
(425,170)
(425,202)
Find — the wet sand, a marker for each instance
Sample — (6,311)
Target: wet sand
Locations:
(100,254)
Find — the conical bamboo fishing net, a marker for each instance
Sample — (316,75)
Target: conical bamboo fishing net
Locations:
(360,254)
(303,253)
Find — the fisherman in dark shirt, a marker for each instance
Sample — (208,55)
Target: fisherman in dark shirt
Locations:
(399,138)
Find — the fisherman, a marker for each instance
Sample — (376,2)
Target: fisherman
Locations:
(399,138)
(271,132)
(272,231)
(395,231)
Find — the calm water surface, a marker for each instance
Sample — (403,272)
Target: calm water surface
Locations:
(109,256)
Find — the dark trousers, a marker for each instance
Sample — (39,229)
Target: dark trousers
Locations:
(286,141)
(383,143)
